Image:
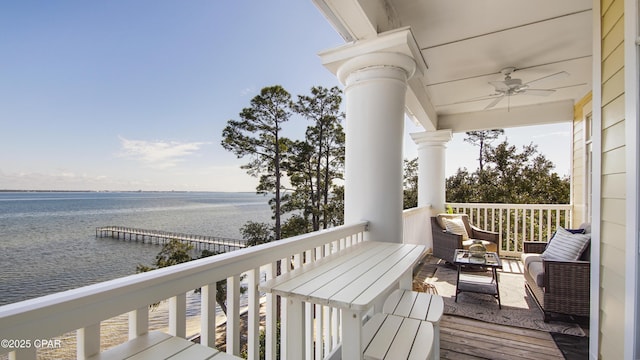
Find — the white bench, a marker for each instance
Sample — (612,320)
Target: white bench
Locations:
(158,345)
(394,337)
(419,306)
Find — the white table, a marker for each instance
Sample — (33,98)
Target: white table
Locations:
(352,280)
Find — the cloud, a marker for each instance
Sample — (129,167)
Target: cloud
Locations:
(159,154)
(248,91)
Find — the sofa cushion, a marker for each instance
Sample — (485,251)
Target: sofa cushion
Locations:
(565,246)
(536,271)
(527,259)
(456,226)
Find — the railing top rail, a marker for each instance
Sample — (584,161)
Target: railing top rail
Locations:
(58,313)
(512,206)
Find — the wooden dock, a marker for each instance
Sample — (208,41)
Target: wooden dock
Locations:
(159,237)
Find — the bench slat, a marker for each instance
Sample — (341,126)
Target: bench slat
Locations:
(132,347)
(424,343)
(394,337)
(159,345)
(404,342)
(163,350)
(383,338)
(195,351)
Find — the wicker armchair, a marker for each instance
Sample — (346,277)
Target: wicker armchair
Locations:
(562,287)
(446,243)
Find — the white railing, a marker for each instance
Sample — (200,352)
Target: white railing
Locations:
(417,226)
(516,223)
(83,309)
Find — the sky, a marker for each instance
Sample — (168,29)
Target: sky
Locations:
(133,95)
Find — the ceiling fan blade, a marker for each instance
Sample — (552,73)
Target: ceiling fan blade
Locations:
(558,75)
(494,102)
(500,86)
(538,92)
(479,98)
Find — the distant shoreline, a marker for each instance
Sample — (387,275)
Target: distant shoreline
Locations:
(125,191)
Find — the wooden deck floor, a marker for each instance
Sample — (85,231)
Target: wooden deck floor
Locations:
(467,339)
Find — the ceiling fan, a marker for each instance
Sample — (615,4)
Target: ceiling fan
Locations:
(512,87)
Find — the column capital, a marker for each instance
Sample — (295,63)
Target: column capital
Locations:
(432,138)
(383,60)
(393,48)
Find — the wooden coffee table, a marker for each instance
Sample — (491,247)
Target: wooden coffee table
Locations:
(477,283)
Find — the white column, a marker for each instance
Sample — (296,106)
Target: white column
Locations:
(375,90)
(431,168)
(375,73)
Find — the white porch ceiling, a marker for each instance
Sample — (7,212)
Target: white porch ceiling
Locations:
(466,43)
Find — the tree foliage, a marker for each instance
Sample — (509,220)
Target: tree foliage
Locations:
(258,135)
(317,161)
(311,165)
(510,176)
(256,233)
(481,138)
(410,183)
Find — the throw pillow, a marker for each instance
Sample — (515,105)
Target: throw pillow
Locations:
(565,246)
(456,226)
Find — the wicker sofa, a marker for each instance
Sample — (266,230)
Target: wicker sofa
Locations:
(445,242)
(559,287)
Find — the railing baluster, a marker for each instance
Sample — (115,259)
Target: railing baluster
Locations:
(208,315)
(319,254)
(138,322)
(508,210)
(540,227)
(485,218)
(253,336)
(24,354)
(531,218)
(233,315)
(308,316)
(88,339)
(284,268)
(271,320)
(501,236)
(178,315)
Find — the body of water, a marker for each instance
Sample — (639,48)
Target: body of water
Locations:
(48,242)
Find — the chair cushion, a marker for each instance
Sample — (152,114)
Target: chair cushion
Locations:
(536,271)
(456,226)
(565,246)
(490,246)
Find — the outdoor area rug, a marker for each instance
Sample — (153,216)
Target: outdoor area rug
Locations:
(518,307)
